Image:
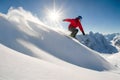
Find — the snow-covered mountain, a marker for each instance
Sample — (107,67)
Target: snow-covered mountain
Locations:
(116,41)
(110,37)
(98,42)
(30,50)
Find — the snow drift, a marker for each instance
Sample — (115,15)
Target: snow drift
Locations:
(22,32)
(115,59)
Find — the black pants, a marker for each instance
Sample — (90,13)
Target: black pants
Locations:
(74,31)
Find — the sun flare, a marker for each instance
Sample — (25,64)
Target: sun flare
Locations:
(54,15)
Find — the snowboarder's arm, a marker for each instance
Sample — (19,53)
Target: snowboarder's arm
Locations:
(67,20)
(81,28)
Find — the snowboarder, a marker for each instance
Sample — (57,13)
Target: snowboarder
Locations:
(74,23)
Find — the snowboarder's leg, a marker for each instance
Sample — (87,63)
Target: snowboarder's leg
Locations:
(74,32)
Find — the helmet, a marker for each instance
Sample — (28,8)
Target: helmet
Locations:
(79,17)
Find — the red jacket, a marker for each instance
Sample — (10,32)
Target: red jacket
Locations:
(74,23)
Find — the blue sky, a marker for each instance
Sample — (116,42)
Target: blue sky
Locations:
(98,15)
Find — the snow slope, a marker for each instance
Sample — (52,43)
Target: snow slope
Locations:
(114,59)
(41,52)
(16,66)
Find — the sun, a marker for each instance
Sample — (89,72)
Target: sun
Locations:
(54,15)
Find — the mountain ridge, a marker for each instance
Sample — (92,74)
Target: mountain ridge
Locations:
(99,42)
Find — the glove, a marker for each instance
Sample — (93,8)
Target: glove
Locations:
(83,33)
(63,19)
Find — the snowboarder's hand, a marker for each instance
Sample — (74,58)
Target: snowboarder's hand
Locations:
(63,19)
(83,33)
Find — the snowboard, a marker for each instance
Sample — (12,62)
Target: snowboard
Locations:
(69,37)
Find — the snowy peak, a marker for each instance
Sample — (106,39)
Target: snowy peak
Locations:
(97,42)
(110,37)
(116,41)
